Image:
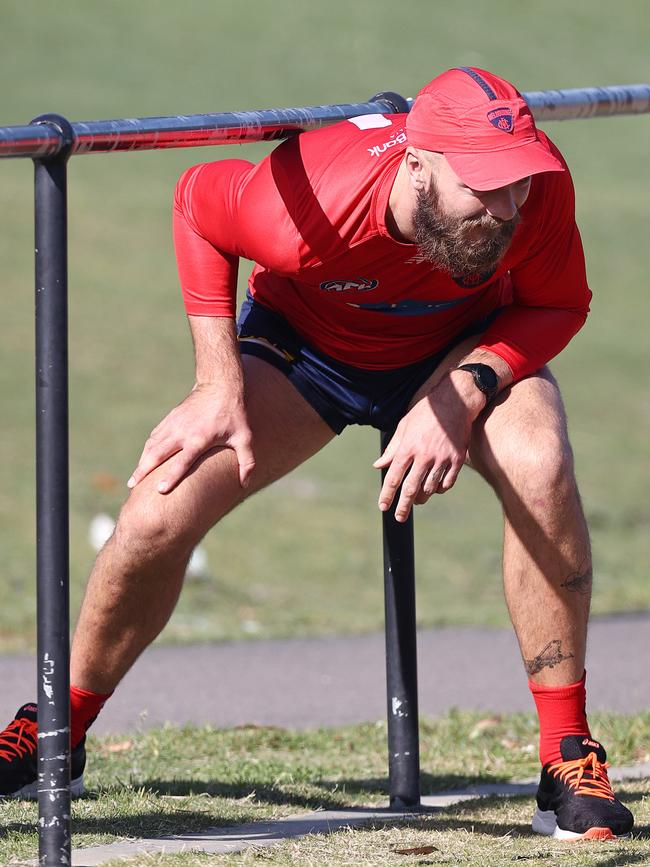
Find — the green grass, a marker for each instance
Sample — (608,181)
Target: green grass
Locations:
(171,781)
(315,566)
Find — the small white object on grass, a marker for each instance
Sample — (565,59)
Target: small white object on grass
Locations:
(198,565)
(100,530)
(102,526)
(251,627)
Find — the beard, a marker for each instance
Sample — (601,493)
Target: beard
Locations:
(459,245)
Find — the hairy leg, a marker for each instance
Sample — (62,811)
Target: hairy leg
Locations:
(138,575)
(522,449)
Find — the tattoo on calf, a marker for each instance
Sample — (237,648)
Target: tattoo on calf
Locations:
(578,582)
(549,657)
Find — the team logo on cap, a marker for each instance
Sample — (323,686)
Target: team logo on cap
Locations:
(502,118)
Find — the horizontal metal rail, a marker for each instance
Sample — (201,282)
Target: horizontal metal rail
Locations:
(584,102)
(196,130)
(41,140)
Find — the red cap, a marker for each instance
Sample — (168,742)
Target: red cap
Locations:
(482,125)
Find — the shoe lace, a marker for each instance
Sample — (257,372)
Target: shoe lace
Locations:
(18,739)
(586,776)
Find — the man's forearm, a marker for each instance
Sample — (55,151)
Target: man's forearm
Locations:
(463,383)
(216,351)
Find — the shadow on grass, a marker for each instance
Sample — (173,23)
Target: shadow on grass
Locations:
(430,784)
(327,794)
(144,824)
(321,795)
(191,823)
(324,796)
(622,858)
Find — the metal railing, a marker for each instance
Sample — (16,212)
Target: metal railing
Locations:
(41,139)
(50,140)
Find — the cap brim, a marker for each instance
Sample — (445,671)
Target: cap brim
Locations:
(489,170)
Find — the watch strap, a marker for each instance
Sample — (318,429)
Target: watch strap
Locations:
(485,379)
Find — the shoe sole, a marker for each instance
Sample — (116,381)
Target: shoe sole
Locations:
(30,791)
(544,822)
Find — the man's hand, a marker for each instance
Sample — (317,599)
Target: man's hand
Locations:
(430,444)
(208,417)
(213,414)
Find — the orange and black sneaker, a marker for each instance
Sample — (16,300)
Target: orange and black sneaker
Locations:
(575,800)
(18,768)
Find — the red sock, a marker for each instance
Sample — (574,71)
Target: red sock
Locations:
(561,711)
(84,707)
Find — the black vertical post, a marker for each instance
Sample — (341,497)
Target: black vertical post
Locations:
(401,658)
(53,610)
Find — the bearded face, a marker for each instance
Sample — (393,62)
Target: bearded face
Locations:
(459,245)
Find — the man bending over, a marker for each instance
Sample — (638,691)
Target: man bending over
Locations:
(414,270)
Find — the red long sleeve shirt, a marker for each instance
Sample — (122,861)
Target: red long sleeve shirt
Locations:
(312,216)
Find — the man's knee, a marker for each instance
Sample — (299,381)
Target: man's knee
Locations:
(528,451)
(148,529)
(540,460)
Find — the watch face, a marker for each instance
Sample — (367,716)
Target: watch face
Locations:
(484,377)
(487,376)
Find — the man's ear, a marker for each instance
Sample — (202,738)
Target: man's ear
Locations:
(418,168)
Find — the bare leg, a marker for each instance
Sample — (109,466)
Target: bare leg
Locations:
(138,575)
(522,448)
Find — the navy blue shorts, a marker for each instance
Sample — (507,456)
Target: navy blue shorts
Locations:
(340,394)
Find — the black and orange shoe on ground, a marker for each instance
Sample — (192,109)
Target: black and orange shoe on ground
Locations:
(18,768)
(575,799)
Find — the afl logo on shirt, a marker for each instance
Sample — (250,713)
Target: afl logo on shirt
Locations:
(359,284)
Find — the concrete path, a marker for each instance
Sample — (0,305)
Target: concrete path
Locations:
(332,681)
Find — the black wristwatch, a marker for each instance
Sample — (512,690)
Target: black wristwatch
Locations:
(485,379)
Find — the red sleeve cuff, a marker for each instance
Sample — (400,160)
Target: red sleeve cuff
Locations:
(526,338)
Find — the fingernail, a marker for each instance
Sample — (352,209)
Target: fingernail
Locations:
(383,506)
(162,487)
(131,483)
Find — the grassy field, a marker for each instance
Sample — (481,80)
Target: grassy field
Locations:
(315,566)
(168,782)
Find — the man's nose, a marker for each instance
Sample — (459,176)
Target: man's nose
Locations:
(500,203)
